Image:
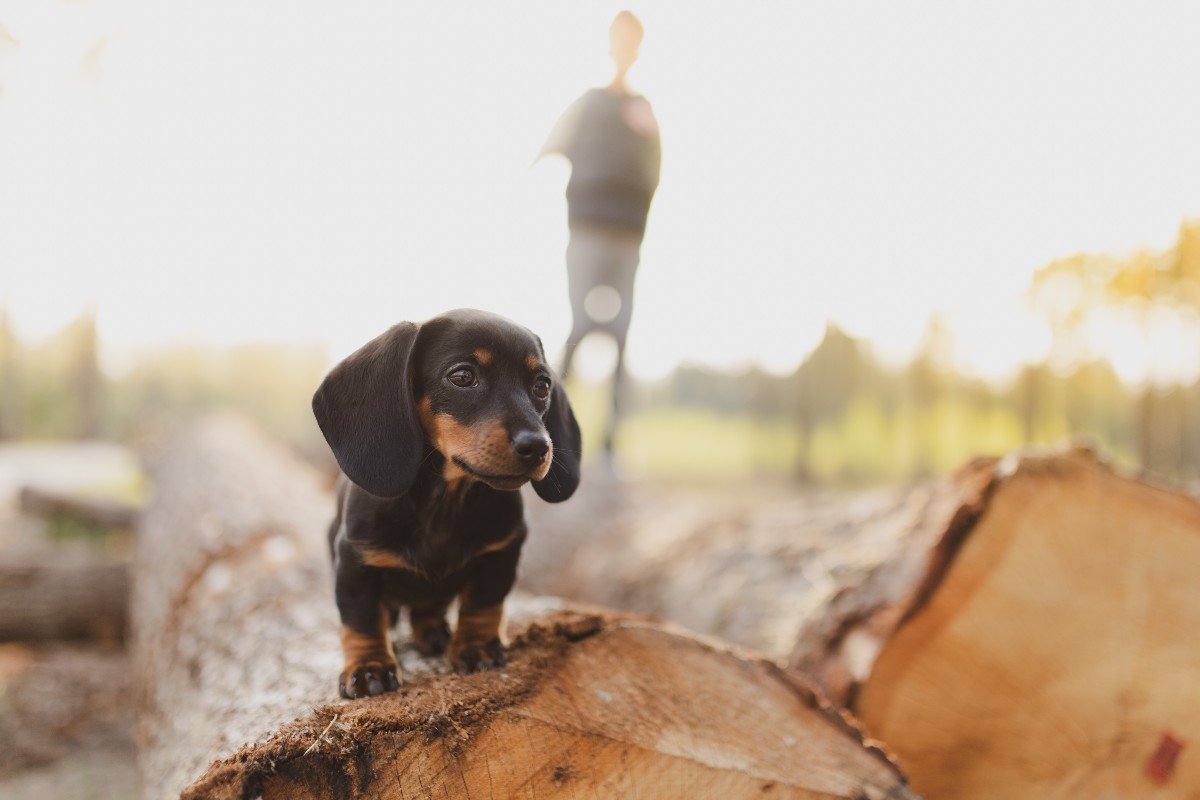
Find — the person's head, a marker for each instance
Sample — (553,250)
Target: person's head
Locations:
(625,37)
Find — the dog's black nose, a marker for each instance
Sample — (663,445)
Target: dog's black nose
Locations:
(531,446)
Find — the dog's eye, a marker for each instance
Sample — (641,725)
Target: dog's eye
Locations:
(541,388)
(463,377)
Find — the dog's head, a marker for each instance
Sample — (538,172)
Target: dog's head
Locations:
(474,386)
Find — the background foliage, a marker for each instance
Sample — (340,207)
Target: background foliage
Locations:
(842,416)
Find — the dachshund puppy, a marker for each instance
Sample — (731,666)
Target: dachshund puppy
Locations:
(436,427)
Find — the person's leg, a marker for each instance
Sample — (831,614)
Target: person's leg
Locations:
(581,276)
(624,257)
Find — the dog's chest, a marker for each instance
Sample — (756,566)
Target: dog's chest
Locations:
(452,529)
(442,541)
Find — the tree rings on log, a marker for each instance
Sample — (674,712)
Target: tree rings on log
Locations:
(590,705)
(1052,649)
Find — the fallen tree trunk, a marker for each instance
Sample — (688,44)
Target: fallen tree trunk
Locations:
(1050,648)
(233,628)
(590,705)
(235,641)
(61,700)
(1021,629)
(782,571)
(64,597)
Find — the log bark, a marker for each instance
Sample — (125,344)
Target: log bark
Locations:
(235,642)
(233,627)
(1050,648)
(65,597)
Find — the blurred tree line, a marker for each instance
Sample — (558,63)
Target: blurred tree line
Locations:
(841,417)
(57,389)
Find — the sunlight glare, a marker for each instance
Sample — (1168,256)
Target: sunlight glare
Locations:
(224,172)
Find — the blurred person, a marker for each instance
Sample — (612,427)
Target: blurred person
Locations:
(611,138)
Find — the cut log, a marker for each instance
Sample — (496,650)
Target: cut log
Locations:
(65,598)
(589,706)
(233,630)
(1050,650)
(1021,629)
(784,572)
(62,699)
(97,511)
(235,642)
(865,597)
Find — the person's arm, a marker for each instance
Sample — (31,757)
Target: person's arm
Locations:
(559,140)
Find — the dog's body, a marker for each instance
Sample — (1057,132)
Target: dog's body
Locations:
(436,427)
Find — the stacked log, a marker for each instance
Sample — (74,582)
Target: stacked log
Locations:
(233,627)
(1050,649)
(773,569)
(1020,629)
(235,647)
(590,705)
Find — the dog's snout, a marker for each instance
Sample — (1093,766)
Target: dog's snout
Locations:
(531,446)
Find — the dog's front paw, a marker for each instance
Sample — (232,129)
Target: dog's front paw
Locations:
(368,679)
(467,657)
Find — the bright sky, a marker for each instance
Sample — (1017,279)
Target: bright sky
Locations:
(222,171)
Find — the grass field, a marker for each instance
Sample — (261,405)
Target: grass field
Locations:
(865,444)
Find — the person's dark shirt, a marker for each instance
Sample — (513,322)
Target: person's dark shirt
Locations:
(613,145)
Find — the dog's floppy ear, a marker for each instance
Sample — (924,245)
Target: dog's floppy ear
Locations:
(563,478)
(365,409)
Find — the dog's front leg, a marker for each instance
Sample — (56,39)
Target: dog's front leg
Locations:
(370,668)
(477,642)
(430,633)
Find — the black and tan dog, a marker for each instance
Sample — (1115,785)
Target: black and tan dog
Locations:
(437,426)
